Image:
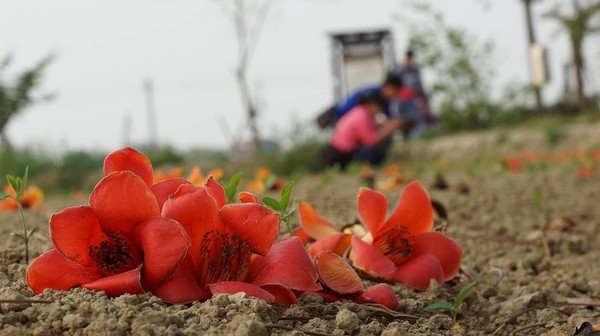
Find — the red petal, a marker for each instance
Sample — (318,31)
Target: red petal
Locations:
(232,287)
(73,231)
(197,212)
(337,275)
(216,191)
(446,250)
(300,233)
(164,244)
(380,293)
(414,211)
(417,272)
(248,197)
(369,259)
(116,285)
(122,199)
(314,225)
(182,287)
(281,294)
(162,190)
(128,158)
(53,270)
(337,243)
(287,264)
(255,223)
(372,208)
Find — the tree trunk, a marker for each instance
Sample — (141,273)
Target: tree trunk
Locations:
(539,105)
(578,61)
(249,106)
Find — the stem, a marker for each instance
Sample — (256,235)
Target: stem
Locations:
(25,235)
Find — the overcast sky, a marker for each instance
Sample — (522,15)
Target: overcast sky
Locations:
(104,49)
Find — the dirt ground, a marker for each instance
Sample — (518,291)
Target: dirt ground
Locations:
(531,240)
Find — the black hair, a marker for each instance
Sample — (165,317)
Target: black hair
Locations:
(393,80)
(373,98)
(410,52)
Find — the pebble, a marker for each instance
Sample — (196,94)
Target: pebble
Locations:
(347,320)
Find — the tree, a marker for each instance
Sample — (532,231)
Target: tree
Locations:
(19,94)
(460,65)
(248,18)
(578,25)
(532,40)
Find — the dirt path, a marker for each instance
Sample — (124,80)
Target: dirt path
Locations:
(526,267)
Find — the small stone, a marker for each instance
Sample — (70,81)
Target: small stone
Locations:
(395,331)
(251,328)
(347,320)
(7,293)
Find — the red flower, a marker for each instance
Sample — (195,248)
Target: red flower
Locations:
(325,235)
(340,281)
(402,248)
(119,243)
(232,249)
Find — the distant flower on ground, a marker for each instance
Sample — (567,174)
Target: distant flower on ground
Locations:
(585,170)
(340,281)
(33,198)
(198,178)
(233,249)
(512,163)
(159,175)
(393,178)
(265,180)
(401,248)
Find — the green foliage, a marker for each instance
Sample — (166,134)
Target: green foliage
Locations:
(283,206)
(231,186)
(19,93)
(75,167)
(553,132)
(19,184)
(454,307)
(13,161)
(165,155)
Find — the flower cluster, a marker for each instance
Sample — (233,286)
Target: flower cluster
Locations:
(185,242)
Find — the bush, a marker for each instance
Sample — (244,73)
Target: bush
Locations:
(75,167)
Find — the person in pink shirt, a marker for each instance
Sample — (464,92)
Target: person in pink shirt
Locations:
(358,135)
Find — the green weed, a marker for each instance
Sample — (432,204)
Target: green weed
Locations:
(454,307)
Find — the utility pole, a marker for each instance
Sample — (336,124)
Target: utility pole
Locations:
(539,106)
(151,113)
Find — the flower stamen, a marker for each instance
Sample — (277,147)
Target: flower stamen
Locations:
(226,257)
(396,243)
(115,255)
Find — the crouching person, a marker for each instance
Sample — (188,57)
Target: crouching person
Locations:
(358,136)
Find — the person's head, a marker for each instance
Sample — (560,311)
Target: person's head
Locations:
(390,86)
(410,55)
(373,102)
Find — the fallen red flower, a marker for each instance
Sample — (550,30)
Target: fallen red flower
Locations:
(32,198)
(401,248)
(232,249)
(118,244)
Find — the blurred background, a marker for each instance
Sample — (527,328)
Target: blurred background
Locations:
(208,80)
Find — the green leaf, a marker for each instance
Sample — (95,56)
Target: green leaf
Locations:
(272,203)
(3,195)
(18,235)
(285,194)
(463,294)
(439,306)
(13,182)
(232,186)
(30,233)
(25,177)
